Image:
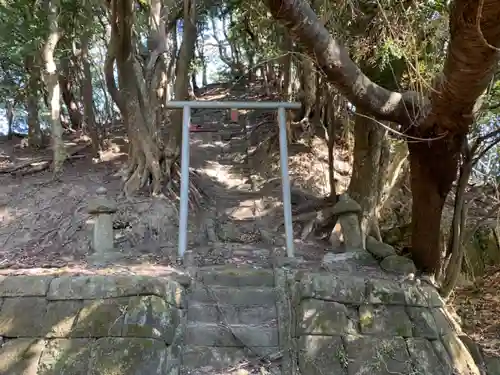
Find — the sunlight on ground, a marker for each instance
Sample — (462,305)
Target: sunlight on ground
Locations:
(221,174)
(252,208)
(8,214)
(214,98)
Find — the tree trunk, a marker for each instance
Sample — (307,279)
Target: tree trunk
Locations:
(369,168)
(287,68)
(10,118)
(397,161)
(456,249)
(88,97)
(307,86)
(433,168)
(35,139)
(181,86)
(66,87)
(152,160)
(51,82)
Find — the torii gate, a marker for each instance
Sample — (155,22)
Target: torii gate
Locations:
(186,107)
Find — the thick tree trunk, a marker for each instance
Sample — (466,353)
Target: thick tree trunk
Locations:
(152,160)
(433,168)
(369,168)
(144,153)
(54,93)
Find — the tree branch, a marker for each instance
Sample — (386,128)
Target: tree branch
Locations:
(342,72)
(472,60)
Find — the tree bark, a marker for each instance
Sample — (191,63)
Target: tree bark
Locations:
(181,85)
(51,82)
(34,132)
(369,168)
(66,86)
(307,86)
(9,111)
(88,97)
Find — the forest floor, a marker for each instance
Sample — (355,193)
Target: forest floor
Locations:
(45,227)
(478,306)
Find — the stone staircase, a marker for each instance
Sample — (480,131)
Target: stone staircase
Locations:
(232,323)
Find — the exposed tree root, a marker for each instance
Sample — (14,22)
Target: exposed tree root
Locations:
(314,217)
(40,164)
(141,175)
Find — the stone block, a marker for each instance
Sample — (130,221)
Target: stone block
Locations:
(25,286)
(432,296)
(377,356)
(20,356)
(60,318)
(323,318)
(444,322)
(209,334)
(100,318)
(209,313)
(424,324)
(398,264)
(151,317)
(237,277)
(461,360)
(65,356)
(250,296)
(23,317)
(113,355)
(425,360)
(349,289)
(350,261)
(442,354)
(384,320)
(414,296)
(387,292)
(379,249)
(100,286)
(320,355)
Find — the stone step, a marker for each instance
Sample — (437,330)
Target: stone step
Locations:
(237,277)
(211,313)
(202,360)
(211,334)
(242,296)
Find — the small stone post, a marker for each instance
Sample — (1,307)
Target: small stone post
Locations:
(103,209)
(348,211)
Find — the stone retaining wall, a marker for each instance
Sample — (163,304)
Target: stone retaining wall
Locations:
(329,323)
(90,325)
(386,326)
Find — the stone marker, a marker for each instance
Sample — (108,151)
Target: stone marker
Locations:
(348,210)
(103,208)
